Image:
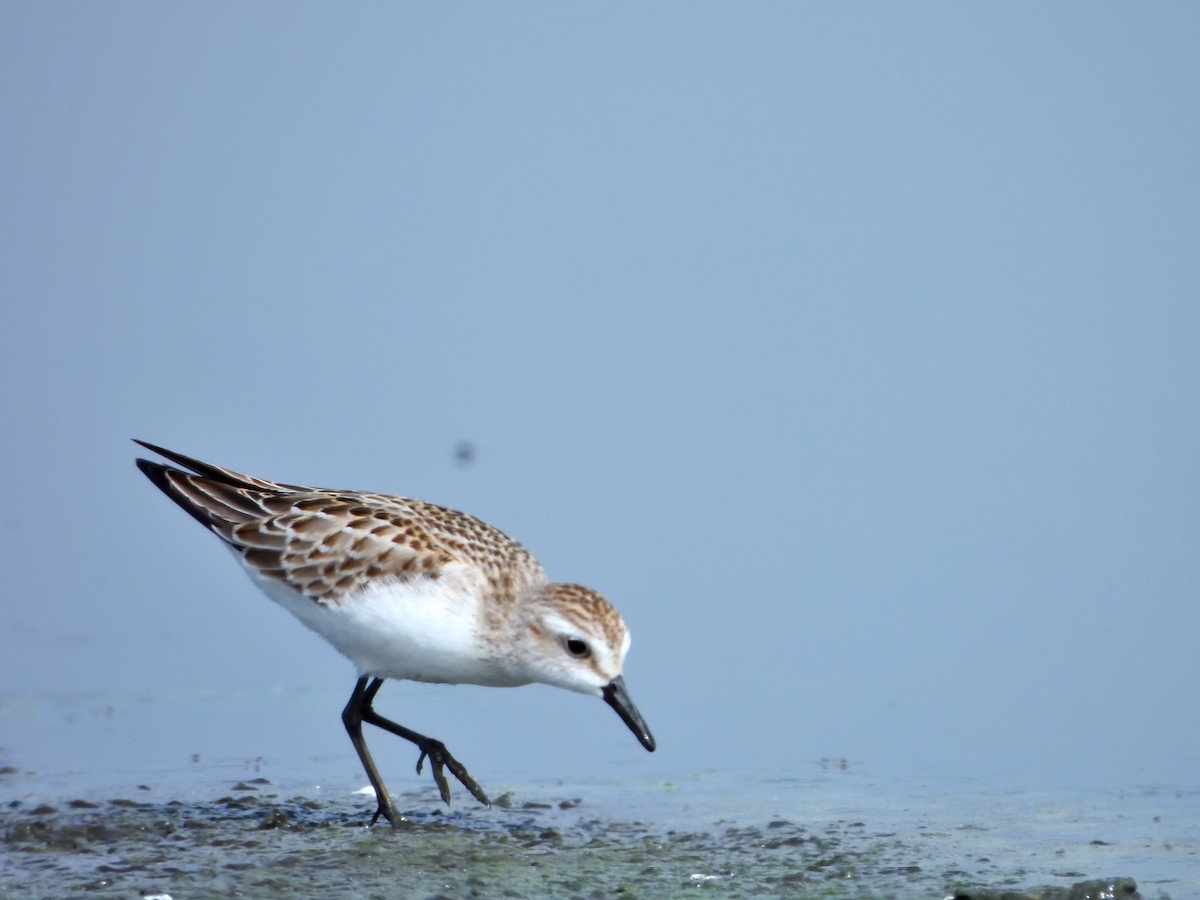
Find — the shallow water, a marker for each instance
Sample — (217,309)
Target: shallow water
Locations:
(853,839)
(275,825)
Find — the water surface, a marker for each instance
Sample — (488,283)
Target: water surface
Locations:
(295,823)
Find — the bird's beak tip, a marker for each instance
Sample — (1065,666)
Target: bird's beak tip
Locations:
(616,696)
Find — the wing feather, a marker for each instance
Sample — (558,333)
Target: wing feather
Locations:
(327,545)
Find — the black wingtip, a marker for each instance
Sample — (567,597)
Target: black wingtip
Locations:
(160,476)
(195,465)
(155,471)
(203,469)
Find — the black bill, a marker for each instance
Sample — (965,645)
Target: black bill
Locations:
(617,697)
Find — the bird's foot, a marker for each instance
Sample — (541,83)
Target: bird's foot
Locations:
(386,810)
(438,757)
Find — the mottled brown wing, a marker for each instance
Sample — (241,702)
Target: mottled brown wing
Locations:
(329,544)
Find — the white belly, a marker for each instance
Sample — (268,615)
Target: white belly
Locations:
(420,630)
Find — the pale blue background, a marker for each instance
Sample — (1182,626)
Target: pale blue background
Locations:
(853,350)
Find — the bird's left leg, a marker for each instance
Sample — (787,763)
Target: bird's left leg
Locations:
(352,717)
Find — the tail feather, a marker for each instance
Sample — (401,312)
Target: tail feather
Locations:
(166,480)
(217,498)
(208,470)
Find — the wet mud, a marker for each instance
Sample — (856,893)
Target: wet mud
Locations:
(255,843)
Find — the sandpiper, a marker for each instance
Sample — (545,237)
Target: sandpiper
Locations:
(409,590)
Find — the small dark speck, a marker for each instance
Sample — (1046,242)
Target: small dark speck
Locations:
(274,819)
(464,453)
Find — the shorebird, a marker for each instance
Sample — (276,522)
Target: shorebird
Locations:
(409,590)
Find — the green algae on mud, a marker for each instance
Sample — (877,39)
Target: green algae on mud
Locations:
(252,844)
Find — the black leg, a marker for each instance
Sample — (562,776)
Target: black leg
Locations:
(358,710)
(352,717)
(435,750)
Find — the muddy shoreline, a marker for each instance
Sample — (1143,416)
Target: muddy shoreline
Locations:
(252,842)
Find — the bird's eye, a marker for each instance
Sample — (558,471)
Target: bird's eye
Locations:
(577,648)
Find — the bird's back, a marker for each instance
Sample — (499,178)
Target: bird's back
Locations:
(328,545)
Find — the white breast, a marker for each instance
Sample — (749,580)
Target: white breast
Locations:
(420,630)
